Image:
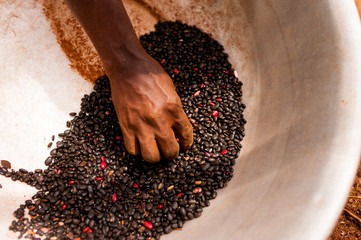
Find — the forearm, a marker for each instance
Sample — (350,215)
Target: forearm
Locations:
(110,30)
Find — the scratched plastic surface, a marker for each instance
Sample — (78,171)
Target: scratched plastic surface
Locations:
(299,64)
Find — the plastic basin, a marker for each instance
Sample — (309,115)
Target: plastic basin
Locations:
(299,62)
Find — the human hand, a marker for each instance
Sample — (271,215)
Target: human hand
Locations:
(149,110)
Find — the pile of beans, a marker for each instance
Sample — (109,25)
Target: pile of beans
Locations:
(93,189)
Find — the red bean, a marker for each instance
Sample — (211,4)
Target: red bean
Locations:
(215,114)
(224,152)
(148,225)
(197,93)
(114,197)
(103,165)
(197,190)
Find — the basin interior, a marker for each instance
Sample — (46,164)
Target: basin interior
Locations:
(301,90)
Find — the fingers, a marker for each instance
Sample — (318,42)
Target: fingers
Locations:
(168,145)
(184,132)
(149,149)
(131,143)
(159,136)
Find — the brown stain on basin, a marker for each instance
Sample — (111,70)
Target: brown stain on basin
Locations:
(74,41)
(358,5)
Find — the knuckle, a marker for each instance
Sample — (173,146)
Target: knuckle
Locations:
(189,130)
(174,108)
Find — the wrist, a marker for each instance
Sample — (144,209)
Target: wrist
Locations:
(122,58)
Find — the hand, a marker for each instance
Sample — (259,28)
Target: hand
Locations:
(149,110)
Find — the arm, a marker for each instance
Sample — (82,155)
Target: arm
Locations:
(149,110)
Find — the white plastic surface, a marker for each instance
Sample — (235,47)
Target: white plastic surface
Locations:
(300,64)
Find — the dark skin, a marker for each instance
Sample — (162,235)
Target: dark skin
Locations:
(149,110)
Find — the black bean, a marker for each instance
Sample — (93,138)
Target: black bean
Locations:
(149,206)
(205,166)
(190,215)
(22,170)
(180,224)
(76,221)
(168,229)
(48,161)
(182,211)
(32,213)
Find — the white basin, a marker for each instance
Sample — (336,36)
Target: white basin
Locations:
(301,68)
